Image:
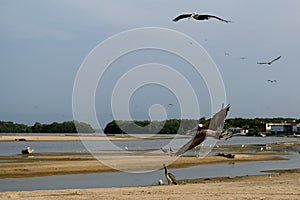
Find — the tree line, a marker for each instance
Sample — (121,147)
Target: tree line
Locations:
(177,126)
(55,127)
(171,126)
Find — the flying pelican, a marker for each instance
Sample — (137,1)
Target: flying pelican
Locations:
(170,177)
(271,81)
(270,62)
(198,17)
(215,130)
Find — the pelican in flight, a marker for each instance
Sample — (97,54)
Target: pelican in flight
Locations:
(271,81)
(270,62)
(214,130)
(198,17)
(170,177)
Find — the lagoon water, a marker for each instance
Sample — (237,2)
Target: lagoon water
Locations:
(119,179)
(13,148)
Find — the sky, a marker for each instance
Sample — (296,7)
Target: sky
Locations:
(45,43)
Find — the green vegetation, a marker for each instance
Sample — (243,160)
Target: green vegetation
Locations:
(64,127)
(171,126)
(176,126)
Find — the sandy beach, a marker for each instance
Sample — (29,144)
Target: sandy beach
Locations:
(282,185)
(47,164)
(278,185)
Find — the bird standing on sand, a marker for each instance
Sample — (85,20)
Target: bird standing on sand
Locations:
(198,17)
(170,177)
(270,62)
(215,130)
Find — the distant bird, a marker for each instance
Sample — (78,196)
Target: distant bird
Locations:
(214,130)
(261,148)
(160,182)
(28,150)
(226,53)
(170,177)
(198,17)
(271,81)
(243,57)
(270,62)
(268,147)
(126,148)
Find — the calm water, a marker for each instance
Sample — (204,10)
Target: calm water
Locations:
(13,148)
(119,179)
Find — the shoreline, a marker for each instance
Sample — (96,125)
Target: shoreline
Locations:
(73,137)
(283,184)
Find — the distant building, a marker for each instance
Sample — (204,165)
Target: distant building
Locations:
(282,128)
(237,131)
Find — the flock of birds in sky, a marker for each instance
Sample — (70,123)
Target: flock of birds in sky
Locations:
(202,17)
(215,128)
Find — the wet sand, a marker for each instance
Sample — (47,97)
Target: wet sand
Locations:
(283,185)
(47,164)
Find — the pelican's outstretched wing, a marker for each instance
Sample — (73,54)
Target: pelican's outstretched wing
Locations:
(263,63)
(212,16)
(182,16)
(217,121)
(269,63)
(195,141)
(276,59)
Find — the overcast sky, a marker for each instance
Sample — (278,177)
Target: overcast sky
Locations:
(44,43)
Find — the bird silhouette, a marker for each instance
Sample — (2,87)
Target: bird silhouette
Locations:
(198,17)
(270,62)
(214,130)
(271,81)
(169,176)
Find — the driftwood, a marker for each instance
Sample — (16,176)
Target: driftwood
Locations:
(20,139)
(229,155)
